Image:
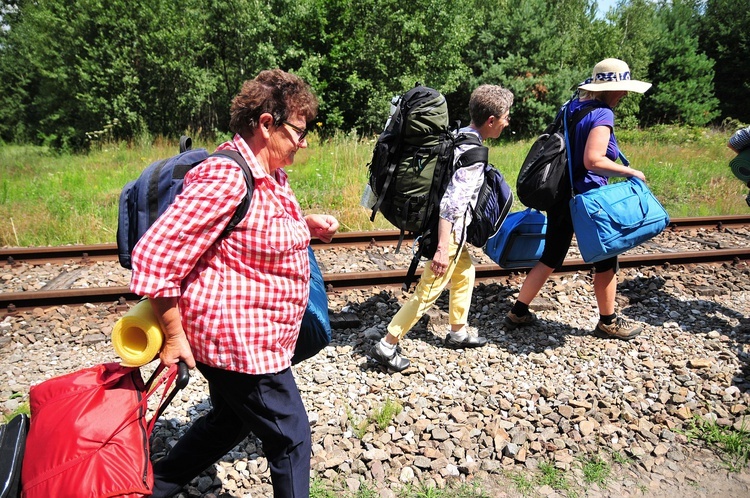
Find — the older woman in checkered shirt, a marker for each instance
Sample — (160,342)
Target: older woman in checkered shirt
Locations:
(232,306)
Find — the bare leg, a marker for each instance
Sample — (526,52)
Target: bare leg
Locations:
(534,282)
(605,288)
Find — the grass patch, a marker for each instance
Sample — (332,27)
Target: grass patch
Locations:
(381,417)
(596,471)
(22,408)
(359,426)
(523,483)
(732,445)
(384,415)
(621,458)
(546,475)
(53,199)
(551,476)
(318,489)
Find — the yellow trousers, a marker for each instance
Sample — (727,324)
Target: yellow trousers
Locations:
(460,274)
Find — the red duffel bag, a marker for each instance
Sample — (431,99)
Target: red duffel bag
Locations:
(89,433)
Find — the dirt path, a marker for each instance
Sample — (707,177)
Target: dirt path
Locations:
(700,475)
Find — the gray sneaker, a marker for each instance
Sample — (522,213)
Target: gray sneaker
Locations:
(513,321)
(470,341)
(392,360)
(619,329)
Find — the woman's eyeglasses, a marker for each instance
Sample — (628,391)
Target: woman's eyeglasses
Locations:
(301,133)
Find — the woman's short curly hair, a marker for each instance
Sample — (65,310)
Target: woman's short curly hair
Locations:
(489,100)
(276,92)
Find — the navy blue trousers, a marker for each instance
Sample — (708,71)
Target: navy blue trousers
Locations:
(270,406)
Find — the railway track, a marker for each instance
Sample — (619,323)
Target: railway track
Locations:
(108,252)
(11,302)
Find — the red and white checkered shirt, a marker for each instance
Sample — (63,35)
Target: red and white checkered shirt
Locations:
(242,297)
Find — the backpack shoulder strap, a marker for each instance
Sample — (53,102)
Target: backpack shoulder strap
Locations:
(575,118)
(581,113)
(244,205)
(479,154)
(569,131)
(476,155)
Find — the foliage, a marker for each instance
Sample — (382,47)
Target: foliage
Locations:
(384,415)
(725,39)
(381,417)
(22,408)
(376,49)
(50,198)
(319,490)
(636,30)
(551,476)
(596,470)
(72,71)
(523,48)
(682,75)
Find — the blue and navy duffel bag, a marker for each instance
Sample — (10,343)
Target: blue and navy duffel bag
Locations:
(520,241)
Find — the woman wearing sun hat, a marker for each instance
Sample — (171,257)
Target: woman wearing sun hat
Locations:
(594,151)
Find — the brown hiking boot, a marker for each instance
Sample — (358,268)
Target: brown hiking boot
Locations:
(513,321)
(619,329)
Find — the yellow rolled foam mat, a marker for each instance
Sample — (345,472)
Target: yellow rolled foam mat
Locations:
(137,337)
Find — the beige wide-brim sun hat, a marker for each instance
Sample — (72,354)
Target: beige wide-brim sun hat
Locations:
(612,75)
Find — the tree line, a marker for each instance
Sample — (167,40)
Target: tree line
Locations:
(72,71)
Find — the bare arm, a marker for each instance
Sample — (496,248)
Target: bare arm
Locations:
(595,156)
(440,260)
(176,346)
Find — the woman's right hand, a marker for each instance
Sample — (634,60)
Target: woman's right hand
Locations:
(439,262)
(638,174)
(176,347)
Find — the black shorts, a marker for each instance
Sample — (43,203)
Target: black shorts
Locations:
(559,236)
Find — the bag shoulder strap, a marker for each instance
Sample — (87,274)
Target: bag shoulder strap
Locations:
(478,154)
(576,118)
(244,205)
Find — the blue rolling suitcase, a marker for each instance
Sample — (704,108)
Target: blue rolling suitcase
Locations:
(520,241)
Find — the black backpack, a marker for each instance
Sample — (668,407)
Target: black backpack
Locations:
(543,179)
(144,199)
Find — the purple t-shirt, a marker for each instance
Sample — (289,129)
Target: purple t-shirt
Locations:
(585,180)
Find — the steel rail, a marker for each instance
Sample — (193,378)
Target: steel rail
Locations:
(108,252)
(14,301)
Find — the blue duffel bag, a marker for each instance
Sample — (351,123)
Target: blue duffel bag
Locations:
(315,332)
(613,218)
(520,241)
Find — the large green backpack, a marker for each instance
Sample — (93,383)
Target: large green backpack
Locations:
(412,164)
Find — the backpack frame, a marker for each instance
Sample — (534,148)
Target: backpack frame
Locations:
(415,136)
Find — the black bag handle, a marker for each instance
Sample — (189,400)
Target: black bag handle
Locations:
(186,143)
